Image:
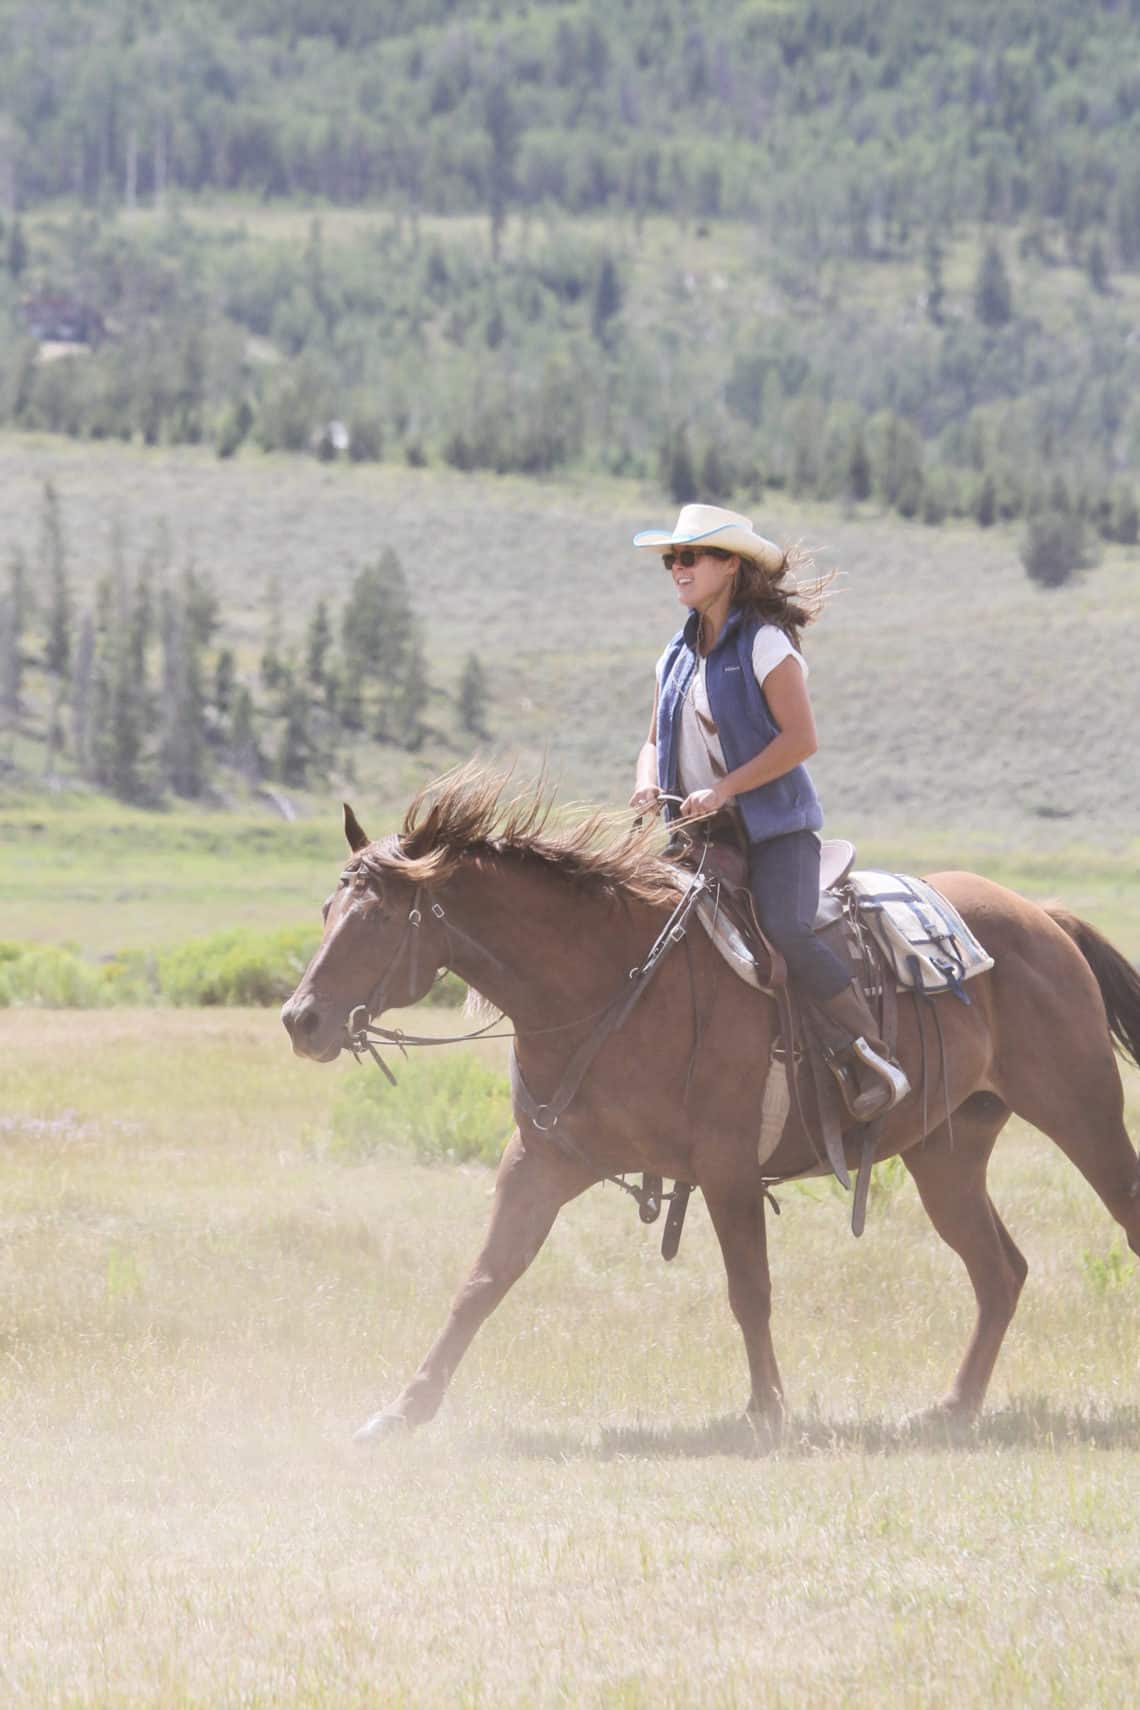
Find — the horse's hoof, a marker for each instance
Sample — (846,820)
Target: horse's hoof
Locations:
(944,1419)
(767,1429)
(386,1423)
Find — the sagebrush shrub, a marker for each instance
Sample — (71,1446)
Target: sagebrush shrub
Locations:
(442,1107)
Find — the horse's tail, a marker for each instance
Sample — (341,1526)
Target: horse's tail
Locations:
(1118,980)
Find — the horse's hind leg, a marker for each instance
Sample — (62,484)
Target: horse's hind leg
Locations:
(738,1218)
(1064,1080)
(949,1172)
(533,1184)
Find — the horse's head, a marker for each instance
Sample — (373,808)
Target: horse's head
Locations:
(381,947)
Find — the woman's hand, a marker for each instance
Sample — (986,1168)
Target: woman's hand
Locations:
(703,802)
(647,797)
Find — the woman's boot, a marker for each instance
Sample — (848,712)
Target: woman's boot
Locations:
(870,1079)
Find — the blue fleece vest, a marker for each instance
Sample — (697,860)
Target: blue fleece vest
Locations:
(743,721)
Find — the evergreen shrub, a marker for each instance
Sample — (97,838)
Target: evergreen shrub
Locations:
(1054,547)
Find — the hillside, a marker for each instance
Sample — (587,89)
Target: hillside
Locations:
(956,700)
(453,299)
(858,120)
(837,248)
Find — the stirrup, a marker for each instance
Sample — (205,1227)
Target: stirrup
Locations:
(891,1076)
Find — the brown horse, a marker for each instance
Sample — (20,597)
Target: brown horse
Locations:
(547,925)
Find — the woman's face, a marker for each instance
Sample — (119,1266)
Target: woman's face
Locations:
(701,577)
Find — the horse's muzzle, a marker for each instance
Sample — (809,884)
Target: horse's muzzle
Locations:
(313,1033)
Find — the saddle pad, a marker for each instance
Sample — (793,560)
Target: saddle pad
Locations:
(922,935)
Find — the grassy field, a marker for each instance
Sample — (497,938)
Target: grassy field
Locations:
(960,708)
(87,872)
(84,872)
(201,1296)
(201,1301)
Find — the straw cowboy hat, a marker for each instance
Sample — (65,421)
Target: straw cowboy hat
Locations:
(728,531)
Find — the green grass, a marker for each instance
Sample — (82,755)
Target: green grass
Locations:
(85,871)
(79,872)
(202,1298)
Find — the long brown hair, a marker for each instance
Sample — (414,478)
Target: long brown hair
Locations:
(790,607)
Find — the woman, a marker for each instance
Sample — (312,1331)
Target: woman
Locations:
(732,726)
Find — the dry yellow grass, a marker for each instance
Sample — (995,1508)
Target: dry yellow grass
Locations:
(199,1303)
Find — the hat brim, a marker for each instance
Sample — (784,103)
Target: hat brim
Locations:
(754,546)
(660,537)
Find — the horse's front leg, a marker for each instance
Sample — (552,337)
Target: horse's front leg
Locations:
(534,1182)
(737,1212)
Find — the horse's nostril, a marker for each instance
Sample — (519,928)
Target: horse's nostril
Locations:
(309,1022)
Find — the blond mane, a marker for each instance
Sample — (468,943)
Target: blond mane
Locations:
(470,812)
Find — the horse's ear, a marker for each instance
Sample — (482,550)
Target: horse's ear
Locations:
(358,838)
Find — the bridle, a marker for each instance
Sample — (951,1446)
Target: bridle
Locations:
(543,1115)
(360,1030)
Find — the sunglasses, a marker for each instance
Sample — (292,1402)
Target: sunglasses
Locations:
(688,556)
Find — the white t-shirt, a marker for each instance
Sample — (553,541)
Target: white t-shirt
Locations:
(700,757)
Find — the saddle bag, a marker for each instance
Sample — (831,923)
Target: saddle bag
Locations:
(921,934)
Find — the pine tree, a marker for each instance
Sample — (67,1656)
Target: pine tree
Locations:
(295,753)
(225,681)
(244,750)
(985,502)
(898,456)
(183,747)
(908,499)
(859,480)
(142,618)
(52,575)
(381,653)
(993,295)
(350,698)
(112,727)
(16,254)
(680,479)
(606,301)
(82,690)
(15,616)
(412,693)
(935,288)
(9,651)
(501,123)
(1054,547)
(716,477)
(317,644)
(271,669)
(201,605)
(1096,266)
(1125,516)
(1126,216)
(1060,498)
(473,697)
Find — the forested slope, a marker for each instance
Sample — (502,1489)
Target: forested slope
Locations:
(763,224)
(852,122)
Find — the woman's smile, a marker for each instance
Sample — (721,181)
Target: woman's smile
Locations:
(706,580)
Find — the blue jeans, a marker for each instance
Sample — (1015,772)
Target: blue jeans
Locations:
(783,876)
